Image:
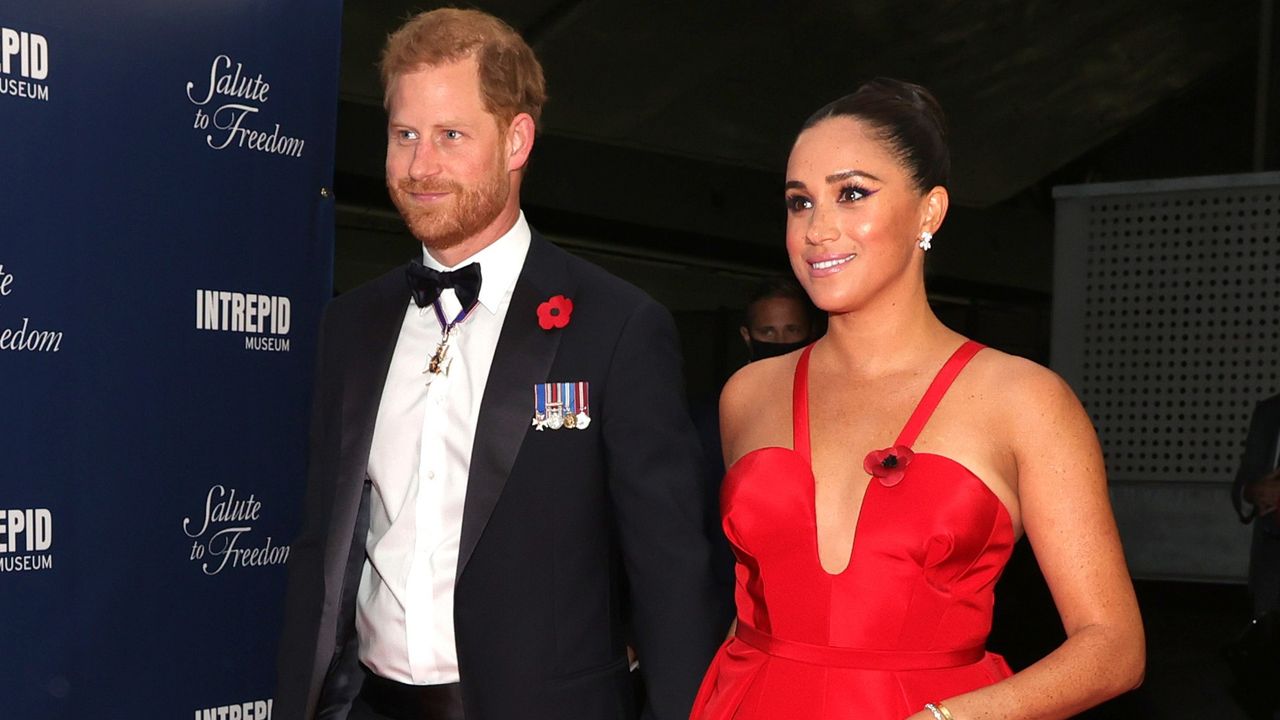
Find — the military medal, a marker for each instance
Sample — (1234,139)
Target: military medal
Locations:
(439,362)
(540,406)
(555,406)
(560,405)
(582,418)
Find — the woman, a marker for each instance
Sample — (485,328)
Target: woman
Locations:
(879,478)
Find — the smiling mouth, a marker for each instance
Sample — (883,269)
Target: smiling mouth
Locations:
(427,191)
(428,197)
(828,264)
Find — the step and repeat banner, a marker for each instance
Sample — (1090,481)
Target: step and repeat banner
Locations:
(165,252)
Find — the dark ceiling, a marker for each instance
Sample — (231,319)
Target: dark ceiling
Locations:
(676,117)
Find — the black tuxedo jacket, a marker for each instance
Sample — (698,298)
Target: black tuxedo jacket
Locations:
(557,525)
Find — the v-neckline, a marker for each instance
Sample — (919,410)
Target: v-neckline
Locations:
(801,441)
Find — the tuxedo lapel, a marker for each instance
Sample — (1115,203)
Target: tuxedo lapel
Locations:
(522,359)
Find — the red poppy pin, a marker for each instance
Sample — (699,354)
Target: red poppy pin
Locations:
(555,312)
(888,465)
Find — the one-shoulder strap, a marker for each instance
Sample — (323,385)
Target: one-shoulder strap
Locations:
(941,382)
(800,406)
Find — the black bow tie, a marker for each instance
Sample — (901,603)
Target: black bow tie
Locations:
(426,283)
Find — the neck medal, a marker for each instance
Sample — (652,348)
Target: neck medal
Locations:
(439,363)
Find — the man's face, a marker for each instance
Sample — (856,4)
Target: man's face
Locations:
(446,155)
(777,320)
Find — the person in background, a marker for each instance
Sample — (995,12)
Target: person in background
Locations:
(1255,656)
(503,483)
(1257,485)
(879,478)
(778,319)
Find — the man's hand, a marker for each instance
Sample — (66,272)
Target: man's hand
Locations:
(1265,492)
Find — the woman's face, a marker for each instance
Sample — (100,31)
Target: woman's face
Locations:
(854,215)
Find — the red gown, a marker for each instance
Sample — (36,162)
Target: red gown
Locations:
(904,624)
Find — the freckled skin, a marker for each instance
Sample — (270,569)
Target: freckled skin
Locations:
(854,217)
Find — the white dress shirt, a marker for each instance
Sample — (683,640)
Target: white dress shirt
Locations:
(418,463)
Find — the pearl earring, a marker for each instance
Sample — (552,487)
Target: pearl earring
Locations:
(926,240)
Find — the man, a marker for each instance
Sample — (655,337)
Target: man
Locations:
(491,466)
(778,319)
(1258,484)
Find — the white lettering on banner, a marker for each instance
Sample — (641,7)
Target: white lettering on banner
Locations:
(25,338)
(23,89)
(218,534)
(250,313)
(26,562)
(253,710)
(267,344)
(232,86)
(228,82)
(31,341)
(28,531)
(26,55)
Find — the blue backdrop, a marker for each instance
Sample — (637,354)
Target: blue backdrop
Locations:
(165,251)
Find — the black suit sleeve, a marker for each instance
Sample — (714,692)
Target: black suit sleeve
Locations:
(655,487)
(299,662)
(1259,447)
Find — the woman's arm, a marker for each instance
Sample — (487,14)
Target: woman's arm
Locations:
(1066,512)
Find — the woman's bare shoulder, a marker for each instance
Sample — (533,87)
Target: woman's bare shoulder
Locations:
(761,381)
(754,400)
(1016,382)
(1031,403)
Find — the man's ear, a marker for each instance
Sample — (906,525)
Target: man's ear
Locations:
(519,141)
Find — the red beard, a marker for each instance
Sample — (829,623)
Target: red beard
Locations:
(464,213)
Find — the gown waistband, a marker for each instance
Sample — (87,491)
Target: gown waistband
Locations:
(856,658)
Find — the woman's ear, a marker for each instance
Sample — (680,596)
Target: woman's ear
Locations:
(936,202)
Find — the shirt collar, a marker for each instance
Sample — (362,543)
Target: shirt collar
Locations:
(500,263)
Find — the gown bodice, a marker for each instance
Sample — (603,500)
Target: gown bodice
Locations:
(904,623)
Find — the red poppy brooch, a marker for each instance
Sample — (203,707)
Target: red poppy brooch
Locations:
(888,465)
(555,312)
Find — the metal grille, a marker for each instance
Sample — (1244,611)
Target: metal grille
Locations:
(1175,333)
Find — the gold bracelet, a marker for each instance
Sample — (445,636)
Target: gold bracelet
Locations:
(946,714)
(937,713)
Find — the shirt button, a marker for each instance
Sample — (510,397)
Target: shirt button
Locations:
(431,474)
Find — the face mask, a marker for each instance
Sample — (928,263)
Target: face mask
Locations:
(761,349)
